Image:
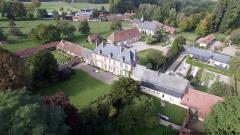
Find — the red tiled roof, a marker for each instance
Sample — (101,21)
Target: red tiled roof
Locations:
(80,18)
(30,51)
(201,101)
(206,40)
(93,37)
(170,29)
(117,17)
(124,35)
(70,48)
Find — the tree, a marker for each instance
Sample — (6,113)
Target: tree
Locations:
(45,33)
(234,66)
(36,3)
(84,27)
(95,13)
(205,26)
(224,118)
(56,15)
(154,59)
(149,39)
(222,89)
(140,114)
(194,20)
(42,13)
(2,36)
(24,114)
(66,28)
(72,117)
(45,67)
(116,26)
(235,36)
(124,90)
(13,71)
(184,25)
(12,9)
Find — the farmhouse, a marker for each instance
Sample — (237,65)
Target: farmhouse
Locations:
(114,59)
(169,29)
(211,58)
(80,18)
(124,37)
(161,85)
(206,41)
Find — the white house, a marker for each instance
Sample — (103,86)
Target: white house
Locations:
(209,57)
(124,37)
(166,87)
(114,59)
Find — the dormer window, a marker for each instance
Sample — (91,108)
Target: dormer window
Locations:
(100,51)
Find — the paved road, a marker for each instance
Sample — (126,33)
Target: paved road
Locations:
(166,123)
(106,77)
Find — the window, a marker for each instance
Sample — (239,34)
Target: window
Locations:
(162,95)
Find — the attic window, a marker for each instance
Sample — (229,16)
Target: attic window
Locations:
(123,58)
(100,51)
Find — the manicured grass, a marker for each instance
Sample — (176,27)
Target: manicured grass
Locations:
(72,6)
(61,58)
(206,77)
(81,88)
(176,113)
(158,130)
(142,56)
(238,87)
(16,44)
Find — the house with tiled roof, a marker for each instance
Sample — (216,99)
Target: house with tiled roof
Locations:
(169,29)
(206,41)
(209,57)
(118,17)
(93,38)
(124,37)
(80,18)
(114,59)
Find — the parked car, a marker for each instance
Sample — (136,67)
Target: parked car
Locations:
(163,117)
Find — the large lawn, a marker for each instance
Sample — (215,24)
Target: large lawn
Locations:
(72,6)
(176,113)
(16,44)
(158,130)
(81,88)
(191,36)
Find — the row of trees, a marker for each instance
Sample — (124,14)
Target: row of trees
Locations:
(13,10)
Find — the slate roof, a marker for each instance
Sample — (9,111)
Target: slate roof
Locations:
(168,84)
(205,54)
(116,52)
(124,35)
(148,25)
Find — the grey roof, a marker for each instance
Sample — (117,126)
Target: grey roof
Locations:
(206,55)
(116,53)
(171,85)
(87,53)
(148,25)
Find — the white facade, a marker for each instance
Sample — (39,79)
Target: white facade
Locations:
(203,45)
(163,96)
(147,32)
(111,65)
(217,63)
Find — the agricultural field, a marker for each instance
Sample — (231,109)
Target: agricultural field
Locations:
(20,43)
(78,88)
(50,6)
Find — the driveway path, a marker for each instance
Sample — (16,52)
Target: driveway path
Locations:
(106,77)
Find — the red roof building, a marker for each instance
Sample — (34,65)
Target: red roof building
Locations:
(201,101)
(80,18)
(93,38)
(124,37)
(169,29)
(206,41)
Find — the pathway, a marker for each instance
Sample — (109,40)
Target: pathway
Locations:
(166,123)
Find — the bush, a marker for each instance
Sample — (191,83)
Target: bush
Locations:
(235,36)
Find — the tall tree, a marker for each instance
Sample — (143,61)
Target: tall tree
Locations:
(234,66)
(45,67)
(22,113)
(154,59)
(224,118)
(66,28)
(116,25)
(13,72)
(206,25)
(84,27)
(72,116)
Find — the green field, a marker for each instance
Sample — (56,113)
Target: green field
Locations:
(72,6)
(238,87)
(20,43)
(191,36)
(158,130)
(79,88)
